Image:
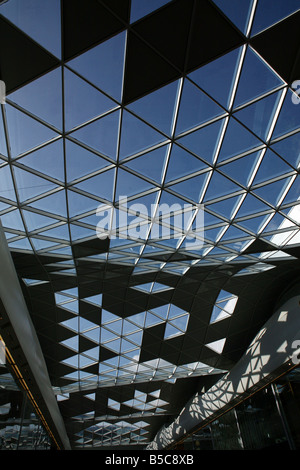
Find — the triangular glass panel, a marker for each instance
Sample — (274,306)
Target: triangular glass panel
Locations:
(277,10)
(162,311)
(42,97)
(288,149)
(82,101)
(233,232)
(138,319)
(168,202)
(107,317)
(210,219)
(25,133)
(157,287)
(93,335)
(270,167)
(191,188)
(36,221)
(78,204)
(218,85)
(182,163)
(217,346)
(151,320)
(7,189)
(195,108)
(129,184)
(204,141)
(237,140)
(55,203)
(181,322)
(80,161)
(288,119)
(30,185)
(78,232)
(4,206)
(241,169)
(91,396)
(13,220)
(93,353)
(72,306)
(95,299)
(218,314)
(251,205)
(293,193)
(136,338)
(115,327)
(101,135)
(272,192)
(145,287)
(136,136)
(72,323)
(150,164)
(146,202)
(31,17)
(65,250)
(174,312)
(140,8)
(73,292)
(72,343)
(258,116)
(249,87)
(114,345)
(157,108)
(219,186)
(171,331)
(48,160)
(236,11)
(39,244)
(22,244)
(101,185)
(128,327)
(107,335)
(84,324)
(126,346)
(103,65)
(253,224)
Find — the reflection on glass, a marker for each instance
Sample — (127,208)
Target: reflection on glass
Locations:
(20,427)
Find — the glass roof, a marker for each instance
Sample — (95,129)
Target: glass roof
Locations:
(200,168)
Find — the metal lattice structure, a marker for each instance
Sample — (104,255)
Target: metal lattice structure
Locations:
(179,102)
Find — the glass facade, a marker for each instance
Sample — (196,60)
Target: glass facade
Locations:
(20,427)
(268,420)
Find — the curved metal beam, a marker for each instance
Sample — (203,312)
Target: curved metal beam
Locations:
(271,351)
(16,309)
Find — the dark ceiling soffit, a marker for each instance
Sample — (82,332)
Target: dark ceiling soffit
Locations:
(85,24)
(21,58)
(280,47)
(187,35)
